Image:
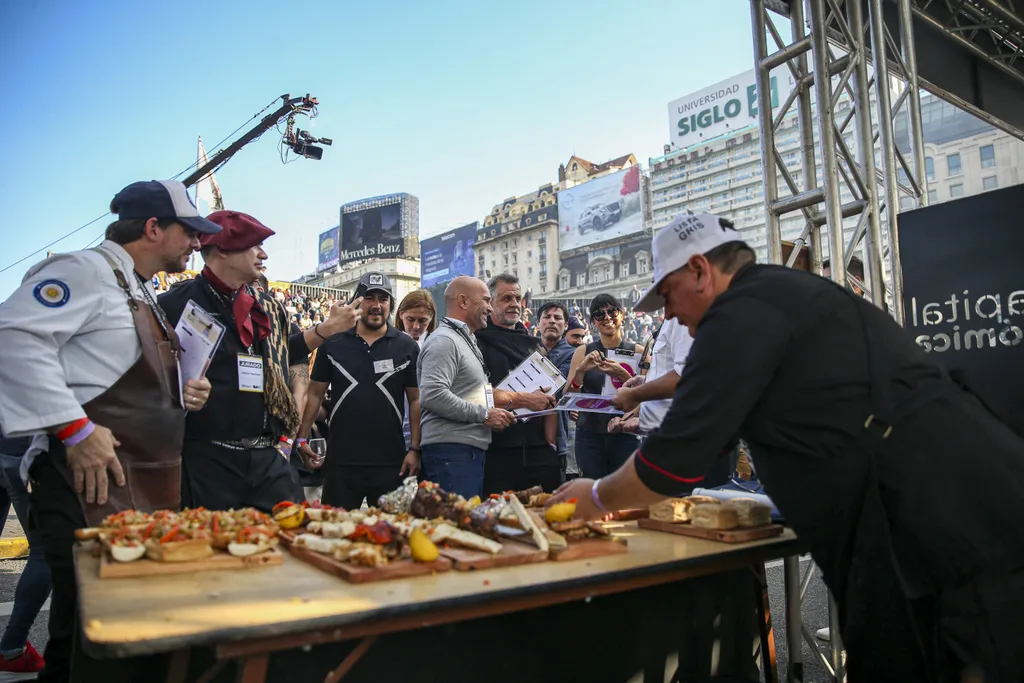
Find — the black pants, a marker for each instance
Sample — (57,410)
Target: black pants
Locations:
(56,513)
(517,469)
(220,478)
(346,485)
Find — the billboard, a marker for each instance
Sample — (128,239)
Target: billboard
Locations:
(600,210)
(722,108)
(327,250)
(963,291)
(372,228)
(448,255)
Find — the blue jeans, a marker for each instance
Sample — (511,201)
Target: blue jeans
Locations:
(455,467)
(598,455)
(34,584)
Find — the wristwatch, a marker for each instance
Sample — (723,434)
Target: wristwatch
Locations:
(415,449)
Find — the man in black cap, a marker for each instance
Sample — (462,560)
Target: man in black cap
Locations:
(88,366)
(236,453)
(371,371)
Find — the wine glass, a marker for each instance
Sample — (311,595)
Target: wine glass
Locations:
(319,448)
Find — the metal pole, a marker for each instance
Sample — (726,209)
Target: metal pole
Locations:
(835,640)
(887,140)
(805,120)
(916,127)
(794,619)
(769,175)
(866,151)
(826,136)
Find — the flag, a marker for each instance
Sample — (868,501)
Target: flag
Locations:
(207,189)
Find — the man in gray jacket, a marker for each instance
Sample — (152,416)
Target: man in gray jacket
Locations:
(457,410)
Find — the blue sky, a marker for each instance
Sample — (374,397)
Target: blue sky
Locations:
(460,103)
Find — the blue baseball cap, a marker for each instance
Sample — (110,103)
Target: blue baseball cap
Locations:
(160,199)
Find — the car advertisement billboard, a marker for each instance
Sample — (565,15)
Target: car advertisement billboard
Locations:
(722,108)
(599,210)
(448,255)
(371,229)
(327,253)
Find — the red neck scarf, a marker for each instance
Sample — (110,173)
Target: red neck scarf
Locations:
(251,320)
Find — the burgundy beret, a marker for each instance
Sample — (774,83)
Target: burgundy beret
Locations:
(239,231)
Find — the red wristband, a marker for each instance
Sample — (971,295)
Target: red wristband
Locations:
(73,428)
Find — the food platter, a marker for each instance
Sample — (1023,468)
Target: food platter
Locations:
(418,529)
(111,569)
(132,543)
(735,521)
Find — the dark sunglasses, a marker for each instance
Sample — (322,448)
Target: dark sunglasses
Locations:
(603,313)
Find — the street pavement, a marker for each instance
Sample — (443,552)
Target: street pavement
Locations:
(815,608)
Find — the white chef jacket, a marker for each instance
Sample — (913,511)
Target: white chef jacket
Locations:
(66,335)
(670,351)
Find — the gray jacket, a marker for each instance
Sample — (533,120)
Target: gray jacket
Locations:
(453,404)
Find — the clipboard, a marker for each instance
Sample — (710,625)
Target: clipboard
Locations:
(536,372)
(199,336)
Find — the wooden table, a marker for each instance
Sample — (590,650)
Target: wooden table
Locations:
(251,613)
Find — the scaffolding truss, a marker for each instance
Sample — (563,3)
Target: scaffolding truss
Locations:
(829,56)
(833,37)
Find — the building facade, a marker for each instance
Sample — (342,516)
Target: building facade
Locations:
(964,156)
(404,274)
(520,235)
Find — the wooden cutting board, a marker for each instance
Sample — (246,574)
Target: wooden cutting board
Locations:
(354,573)
(111,569)
(628,515)
(723,535)
(590,547)
(512,554)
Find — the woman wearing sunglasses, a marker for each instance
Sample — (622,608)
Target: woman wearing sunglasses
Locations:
(599,453)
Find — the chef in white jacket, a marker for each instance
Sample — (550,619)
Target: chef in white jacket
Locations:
(88,367)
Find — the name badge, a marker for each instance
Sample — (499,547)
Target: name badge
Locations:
(250,373)
(380,366)
(489,392)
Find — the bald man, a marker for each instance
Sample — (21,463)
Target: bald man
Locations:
(457,413)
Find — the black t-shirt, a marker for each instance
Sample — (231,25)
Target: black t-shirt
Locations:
(368,386)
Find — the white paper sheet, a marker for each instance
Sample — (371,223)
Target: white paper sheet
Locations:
(536,372)
(199,334)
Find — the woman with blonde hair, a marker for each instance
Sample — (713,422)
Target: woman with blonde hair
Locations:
(417,315)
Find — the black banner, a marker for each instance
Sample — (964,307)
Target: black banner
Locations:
(963,290)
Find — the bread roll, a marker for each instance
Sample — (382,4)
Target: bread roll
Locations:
(703,500)
(751,513)
(675,510)
(715,516)
(179,551)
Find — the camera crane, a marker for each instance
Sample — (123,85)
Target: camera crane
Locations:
(300,142)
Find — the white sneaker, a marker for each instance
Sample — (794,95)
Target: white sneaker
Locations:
(823,634)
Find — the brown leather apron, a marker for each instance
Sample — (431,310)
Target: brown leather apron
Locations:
(143,411)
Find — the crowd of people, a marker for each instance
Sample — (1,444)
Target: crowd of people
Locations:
(841,411)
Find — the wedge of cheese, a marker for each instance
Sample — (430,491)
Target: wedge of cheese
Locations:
(319,544)
(446,533)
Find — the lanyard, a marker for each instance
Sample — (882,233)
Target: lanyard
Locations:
(157,311)
(465,337)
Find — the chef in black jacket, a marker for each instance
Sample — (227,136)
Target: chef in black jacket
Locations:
(233,456)
(526,454)
(903,482)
